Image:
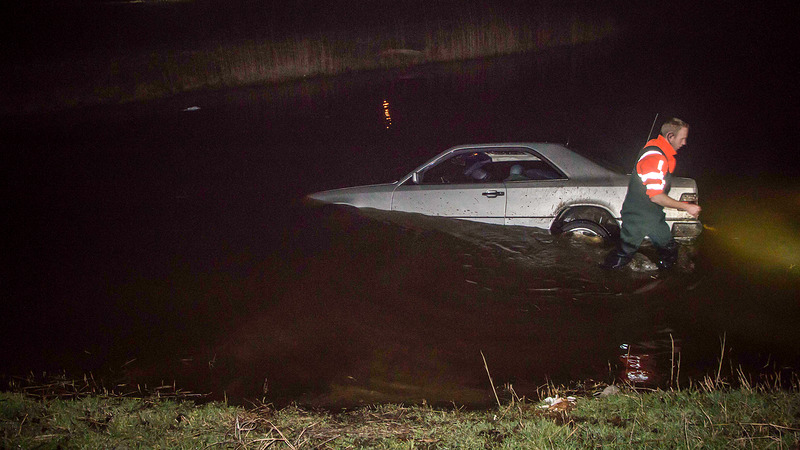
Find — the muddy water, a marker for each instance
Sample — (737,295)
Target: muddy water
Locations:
(155,242)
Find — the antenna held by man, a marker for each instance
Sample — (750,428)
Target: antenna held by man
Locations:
(651,129)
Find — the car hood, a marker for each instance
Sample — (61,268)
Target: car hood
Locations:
(377,196)
(687,183)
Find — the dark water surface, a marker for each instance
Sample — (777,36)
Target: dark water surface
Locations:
(146,243)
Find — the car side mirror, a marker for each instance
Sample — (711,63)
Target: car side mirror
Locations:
(415,177)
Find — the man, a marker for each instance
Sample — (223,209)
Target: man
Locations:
(643,208)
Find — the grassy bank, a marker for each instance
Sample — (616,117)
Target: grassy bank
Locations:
(43,84)
(700,417)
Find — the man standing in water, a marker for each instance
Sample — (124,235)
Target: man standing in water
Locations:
(643,208)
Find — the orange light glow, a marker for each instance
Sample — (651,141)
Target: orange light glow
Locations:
(387,116)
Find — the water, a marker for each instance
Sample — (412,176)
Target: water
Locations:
(149,244)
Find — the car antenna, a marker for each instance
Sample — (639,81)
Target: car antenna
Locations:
(651,129)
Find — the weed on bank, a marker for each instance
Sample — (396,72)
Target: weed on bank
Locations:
(145,74)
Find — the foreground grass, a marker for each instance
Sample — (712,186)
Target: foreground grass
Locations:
(696,418)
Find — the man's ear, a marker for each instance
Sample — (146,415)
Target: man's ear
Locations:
(669,135)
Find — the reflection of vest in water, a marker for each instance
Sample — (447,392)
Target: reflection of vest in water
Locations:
(637,203)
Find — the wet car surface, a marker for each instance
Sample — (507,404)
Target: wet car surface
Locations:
(539,185)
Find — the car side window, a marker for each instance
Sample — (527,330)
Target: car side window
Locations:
(524,166)
(533,170)
(465,168)
(490,165)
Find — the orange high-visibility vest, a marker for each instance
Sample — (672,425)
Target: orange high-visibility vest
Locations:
(654,165)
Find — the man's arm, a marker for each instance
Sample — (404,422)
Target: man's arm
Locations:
(669,202)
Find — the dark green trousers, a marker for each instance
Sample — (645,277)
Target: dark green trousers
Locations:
(635,227)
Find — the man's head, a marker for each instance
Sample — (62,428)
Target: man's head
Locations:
(675,131)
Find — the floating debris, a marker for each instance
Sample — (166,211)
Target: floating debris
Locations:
(638,368)
(649,286)
(502,247)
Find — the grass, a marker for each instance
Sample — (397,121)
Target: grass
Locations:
(92,79)
(704,416)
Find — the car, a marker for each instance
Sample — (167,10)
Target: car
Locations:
(543,185)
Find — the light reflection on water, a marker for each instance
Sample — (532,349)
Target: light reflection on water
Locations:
(387,114)
(763,229)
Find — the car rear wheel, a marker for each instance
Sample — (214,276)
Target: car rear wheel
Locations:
(585,228)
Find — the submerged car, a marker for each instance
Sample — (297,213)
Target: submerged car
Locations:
(540,185)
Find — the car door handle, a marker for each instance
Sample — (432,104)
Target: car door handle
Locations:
(493,194)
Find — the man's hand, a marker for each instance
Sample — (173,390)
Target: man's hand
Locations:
(669,202)
(692,209)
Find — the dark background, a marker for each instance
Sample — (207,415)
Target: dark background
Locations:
(139,231)
(742,53)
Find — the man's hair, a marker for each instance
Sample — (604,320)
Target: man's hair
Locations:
(673,125)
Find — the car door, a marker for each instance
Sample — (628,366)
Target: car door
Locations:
(534,197)
(453,188)
(534,203)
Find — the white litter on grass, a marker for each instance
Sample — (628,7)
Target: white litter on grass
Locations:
(608,391)
(191,108)
(553,401)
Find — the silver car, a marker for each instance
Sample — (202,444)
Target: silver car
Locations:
(526,184)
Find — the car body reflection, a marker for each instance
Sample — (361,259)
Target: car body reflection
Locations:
(539,185)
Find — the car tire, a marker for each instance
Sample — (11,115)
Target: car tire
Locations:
(586,228)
